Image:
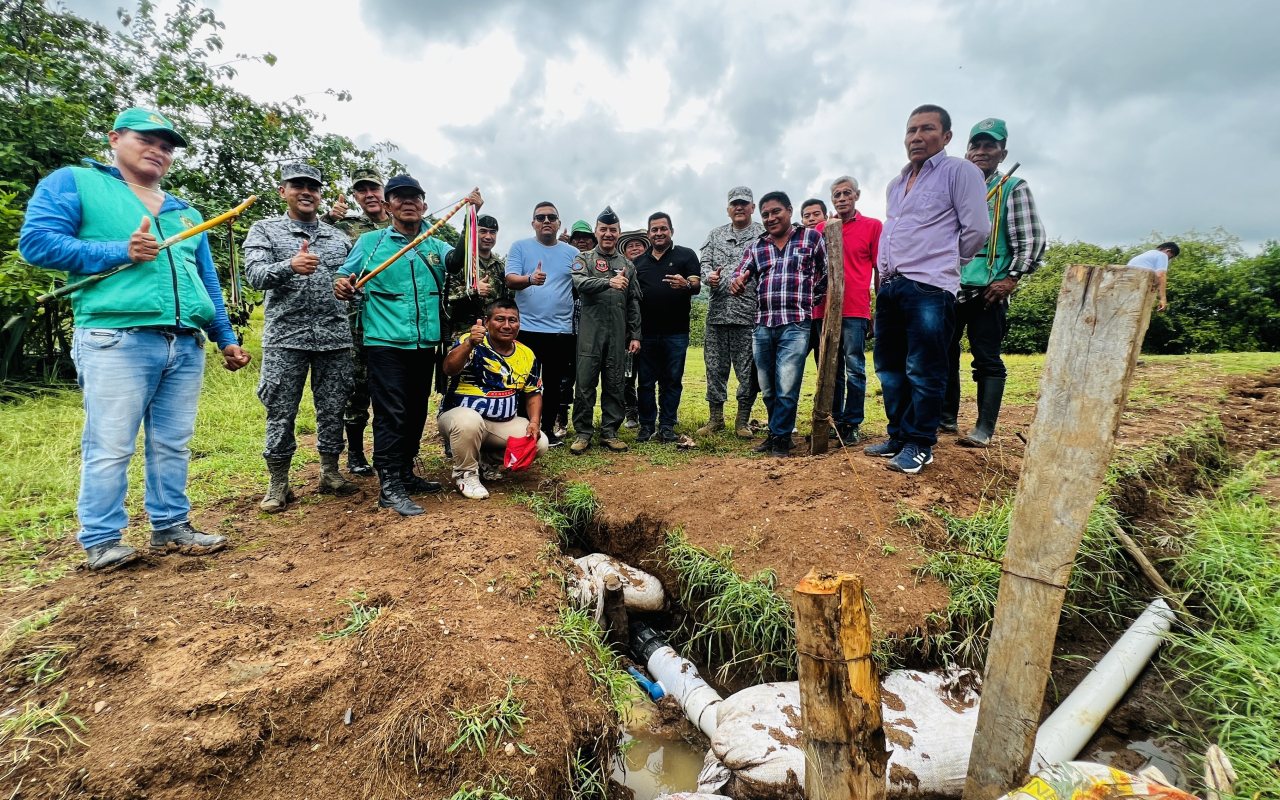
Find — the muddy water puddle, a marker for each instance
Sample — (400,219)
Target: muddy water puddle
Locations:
(660,758)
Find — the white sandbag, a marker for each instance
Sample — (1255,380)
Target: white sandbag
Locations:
(640,590)
(755,754)
(929,722)
(679,678)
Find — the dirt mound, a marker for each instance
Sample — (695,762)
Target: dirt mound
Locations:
(1252,412)
(209,675)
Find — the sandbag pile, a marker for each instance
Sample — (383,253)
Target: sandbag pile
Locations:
(640,590)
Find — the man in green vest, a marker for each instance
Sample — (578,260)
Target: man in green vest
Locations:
(366,188)
(1013,250)
(404,322)
(139,333)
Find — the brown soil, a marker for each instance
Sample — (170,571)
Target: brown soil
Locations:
(213,682)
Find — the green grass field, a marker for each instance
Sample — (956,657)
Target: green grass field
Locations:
(40,441)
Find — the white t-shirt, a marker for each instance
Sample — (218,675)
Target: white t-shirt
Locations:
(1154,260)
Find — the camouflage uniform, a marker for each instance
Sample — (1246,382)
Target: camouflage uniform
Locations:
(731,320)
(610,319)
(464,309)
(305,330)
(357,410)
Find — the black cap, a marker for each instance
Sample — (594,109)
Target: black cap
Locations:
(402,182)
(607,216)
(486,221)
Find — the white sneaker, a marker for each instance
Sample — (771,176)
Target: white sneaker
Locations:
(472,488)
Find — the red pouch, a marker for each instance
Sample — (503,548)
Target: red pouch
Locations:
(521,450)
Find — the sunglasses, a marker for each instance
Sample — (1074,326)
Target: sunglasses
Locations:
(545,217)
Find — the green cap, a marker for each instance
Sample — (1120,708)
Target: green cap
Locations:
(144,119)
(581,226)
(368,174)
(995,128)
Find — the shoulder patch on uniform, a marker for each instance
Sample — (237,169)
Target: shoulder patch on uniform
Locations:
(187,221)
(433,259)
(602,265)
(578,265)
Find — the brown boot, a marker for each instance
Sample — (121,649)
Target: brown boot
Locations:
(742,425)
(716,423)
(277,498)
(331,480)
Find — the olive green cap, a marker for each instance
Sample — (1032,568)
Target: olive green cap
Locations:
(995,128)
(144,120)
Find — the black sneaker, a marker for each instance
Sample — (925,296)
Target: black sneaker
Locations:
(110,555)
(186,540)
(667,436)
(644,435)
(780,452)
(553,440)
(912,459)
(886,449)
(765,446)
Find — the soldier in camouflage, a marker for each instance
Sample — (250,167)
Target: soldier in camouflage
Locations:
(293,259)
(366,188)
(465,306)
(731,319)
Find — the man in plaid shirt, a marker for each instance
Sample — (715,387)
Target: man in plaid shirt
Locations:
(1014,249)
(789,264)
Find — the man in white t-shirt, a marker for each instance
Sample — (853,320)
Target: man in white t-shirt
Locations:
(1158,262)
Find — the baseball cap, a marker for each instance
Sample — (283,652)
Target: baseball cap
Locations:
(402,182)
(290,171)
(995,128)
(368,174)
(144,119)
(487,221)
(741,193)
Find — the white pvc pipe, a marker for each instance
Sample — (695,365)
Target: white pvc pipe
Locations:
(1065,733)
(679,678)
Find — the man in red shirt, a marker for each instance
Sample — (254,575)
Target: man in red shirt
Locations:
(861,236)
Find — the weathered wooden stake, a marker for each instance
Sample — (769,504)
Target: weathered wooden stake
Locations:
(615,612)
(844,746)
(1097,335)
(829,349)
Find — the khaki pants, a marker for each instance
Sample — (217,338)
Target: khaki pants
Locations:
(475,439)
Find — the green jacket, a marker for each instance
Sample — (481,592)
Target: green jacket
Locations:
(403,305)
(992,263)
(167,291)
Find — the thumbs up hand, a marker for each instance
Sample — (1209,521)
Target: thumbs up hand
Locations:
(339,209)
(477,333)
(713,278)
(304,263)
(538,277)
(142,243)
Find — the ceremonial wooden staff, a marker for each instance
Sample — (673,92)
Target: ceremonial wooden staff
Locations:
(166,244)
(1006,177)
(421,238)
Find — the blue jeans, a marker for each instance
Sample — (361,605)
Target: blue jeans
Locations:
(913,331)
(662,363)
(131,377)
(848,407)
(779,353)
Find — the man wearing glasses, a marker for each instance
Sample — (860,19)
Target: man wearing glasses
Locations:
(538,271)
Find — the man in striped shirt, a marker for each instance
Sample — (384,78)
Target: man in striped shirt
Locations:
(1013,249)
(789,265)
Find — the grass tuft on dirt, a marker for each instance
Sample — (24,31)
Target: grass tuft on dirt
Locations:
(582,634)
(743,624)
(567,508)
(1231,563)
(480,726)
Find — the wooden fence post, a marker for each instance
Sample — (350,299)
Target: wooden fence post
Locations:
(840,714)
(1097,335)
(829,350)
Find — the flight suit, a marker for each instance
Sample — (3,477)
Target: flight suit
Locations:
(610,320)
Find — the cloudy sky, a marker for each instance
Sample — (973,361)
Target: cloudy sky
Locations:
(1128,116)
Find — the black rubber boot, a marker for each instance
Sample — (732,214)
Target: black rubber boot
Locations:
(949,422)
(356,463)
(393,495)
(990,395)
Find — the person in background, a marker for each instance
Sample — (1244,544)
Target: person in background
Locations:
(860,237)
(465,303)
(139,334)
(404,323)
(789,264)
(605,280)
(538,271)
(631,244)
(1013,249)
(293,259)
(489,369)
(583,238)
(366,187)
(1157,261)
(731,318)
(813,212)
(669,277)
(937,220)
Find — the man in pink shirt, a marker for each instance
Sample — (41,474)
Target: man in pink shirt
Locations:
(861,236)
